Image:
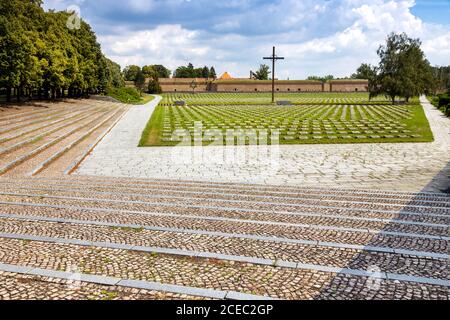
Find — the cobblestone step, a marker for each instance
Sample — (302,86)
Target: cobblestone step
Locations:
(22,286)
(236,213)
(43,134)
(11,115)
(202,273)
(231,247)
(20,134)
(79,159)
(181,190)
(22,158)
(68,147)
(40,113)
(285,189)
(352,236)
(47,117)
(348,207)
(259,189)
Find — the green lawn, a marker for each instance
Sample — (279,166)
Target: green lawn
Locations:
(314,118)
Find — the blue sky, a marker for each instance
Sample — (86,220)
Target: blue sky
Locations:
(316,37)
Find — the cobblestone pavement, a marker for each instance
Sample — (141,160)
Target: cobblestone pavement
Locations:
(220,240)
(98,237)
(409,166)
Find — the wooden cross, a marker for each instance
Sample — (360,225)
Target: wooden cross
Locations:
(273,58)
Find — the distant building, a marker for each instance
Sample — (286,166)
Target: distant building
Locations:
(225,76)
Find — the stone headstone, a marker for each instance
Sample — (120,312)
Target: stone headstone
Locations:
(284,103)
(180,103)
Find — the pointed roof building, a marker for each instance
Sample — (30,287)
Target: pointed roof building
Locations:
(225,76)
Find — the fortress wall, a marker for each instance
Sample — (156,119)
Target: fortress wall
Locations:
(183,84)
(349,86)
(205,85)
(257,86)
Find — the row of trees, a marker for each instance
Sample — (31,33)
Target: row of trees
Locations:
(41,56)
(190,71)
(132,72)
(150,73)
(441,79)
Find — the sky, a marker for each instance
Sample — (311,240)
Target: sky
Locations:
(316,37)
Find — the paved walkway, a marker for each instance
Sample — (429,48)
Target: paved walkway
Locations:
(408,166)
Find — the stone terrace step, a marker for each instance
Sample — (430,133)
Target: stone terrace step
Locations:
(30,286)
(198,272)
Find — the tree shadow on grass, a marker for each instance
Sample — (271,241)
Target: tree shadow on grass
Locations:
(362,288)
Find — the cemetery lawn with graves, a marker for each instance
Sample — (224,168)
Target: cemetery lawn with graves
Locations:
(311,118)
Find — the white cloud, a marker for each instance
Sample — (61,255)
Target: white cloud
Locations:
(165,43)
(316,37)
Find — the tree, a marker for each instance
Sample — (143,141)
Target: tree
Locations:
(441,80)
(40,55)
(368,72)
(139,82)
(205,72)
(149,72)
(212,73)
(262,73)
(194,85)
(191,72)
(130,72)
(365,71)
(154,87)
(161,71)
(403,70)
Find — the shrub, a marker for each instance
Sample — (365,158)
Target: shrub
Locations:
(154,87)
(444,100)
(125,94)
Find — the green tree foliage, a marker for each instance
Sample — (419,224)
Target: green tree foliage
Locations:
(403,70)
(130,72)
(139,82)
(40,55)
(205,72)
(262,73)
(212,73)
(149,72)
(154,87)
(161,71)
(365,71)
(190,72)
(441,79)
(322,79)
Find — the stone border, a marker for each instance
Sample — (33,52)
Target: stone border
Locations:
(390,250)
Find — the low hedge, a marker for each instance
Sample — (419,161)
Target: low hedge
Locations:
(125,94)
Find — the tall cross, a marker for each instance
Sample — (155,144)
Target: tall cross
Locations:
(273,58)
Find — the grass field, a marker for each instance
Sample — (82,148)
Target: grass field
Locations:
(265,98)
(312,118)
